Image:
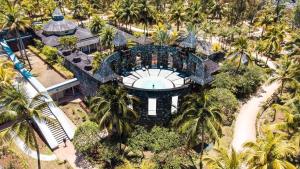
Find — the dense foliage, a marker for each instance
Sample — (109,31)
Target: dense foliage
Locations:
(87,135)
(243,83)
(158,139)
(225,101)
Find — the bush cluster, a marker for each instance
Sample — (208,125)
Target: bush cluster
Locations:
(241,83)
(156,140)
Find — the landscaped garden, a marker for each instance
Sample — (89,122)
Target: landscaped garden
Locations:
(237,107)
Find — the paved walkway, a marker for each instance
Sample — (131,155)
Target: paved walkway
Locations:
(245,124)
(20,143)
(69,153)
(43,72)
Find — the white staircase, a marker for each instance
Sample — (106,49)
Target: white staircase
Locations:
(53,124)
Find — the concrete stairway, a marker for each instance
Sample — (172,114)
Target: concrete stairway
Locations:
(53,124)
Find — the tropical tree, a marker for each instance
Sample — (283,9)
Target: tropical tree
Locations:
(116,17)
(264,21)
(223,158)
(129,12)
(112,110)
(147,14)
(97,24)
(271,150)
(217,10)
(177,13)
(19,112)
(107,35)
(163,36)
(240,51)
(196,120)
(6,73)
(68,42)
(13,18)
(195,13)
(274,38)
(287,71)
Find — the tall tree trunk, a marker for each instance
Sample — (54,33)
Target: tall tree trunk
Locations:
(178,26)
(202,145)
(237,69)
(22,47)
(36,146)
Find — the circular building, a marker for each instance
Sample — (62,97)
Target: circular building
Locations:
(160,76)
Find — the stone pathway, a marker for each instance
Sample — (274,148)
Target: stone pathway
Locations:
(69,154)
(20,143)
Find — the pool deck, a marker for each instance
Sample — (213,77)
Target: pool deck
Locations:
(154,78)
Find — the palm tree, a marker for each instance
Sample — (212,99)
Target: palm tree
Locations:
(217,10)
(112,110)
(223,159)
(12,17)
(286,72)
(274,39)
(195,13)
(291,114)
(197,119)
(107,35)
(147,14)
(163,36)
(129,12)
(177,13)
(271,150)
(264,21)
(240,51)
(19,113)
(116,6)
(7,73)
(97,24)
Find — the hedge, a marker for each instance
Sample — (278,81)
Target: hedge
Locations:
(57,66)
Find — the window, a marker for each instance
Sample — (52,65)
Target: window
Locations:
(152,106)
(174,104)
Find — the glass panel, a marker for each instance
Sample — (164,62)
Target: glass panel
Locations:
(152,106)
(174,104)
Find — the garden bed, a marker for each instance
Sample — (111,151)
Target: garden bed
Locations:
(60,69)
(75,112)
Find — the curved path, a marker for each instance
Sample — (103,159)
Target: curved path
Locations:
(20,143)
(245,124)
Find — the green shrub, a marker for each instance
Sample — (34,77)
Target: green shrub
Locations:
(51,53)
(172,159)
(157,140)
(241,83)
(225,101)
(86,136)
(38,43)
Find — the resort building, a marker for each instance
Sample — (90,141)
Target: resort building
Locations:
(59,27)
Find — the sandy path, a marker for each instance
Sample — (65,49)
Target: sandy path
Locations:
(245,129)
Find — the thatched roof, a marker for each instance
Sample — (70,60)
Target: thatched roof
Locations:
(190,41)
(58,25)
(120,39)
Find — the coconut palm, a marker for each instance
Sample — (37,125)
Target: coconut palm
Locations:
(274,38)
(177,13)
(196,120)
(6,73)
(240,51)
(287,71)
(147,14)
(290,110)
(271,150)
(112,110)
(129,12)
(223,159)
(12,17)
(217,10)
(264,21)
(96,25)
(163,36)
(195,13)
(107,35)
(115,8)
(19,112)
